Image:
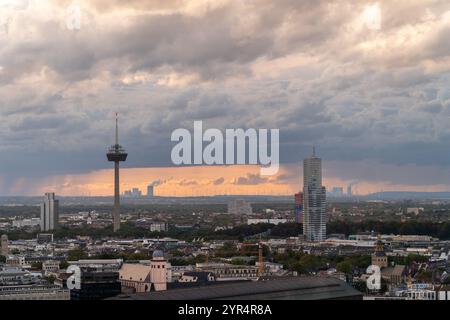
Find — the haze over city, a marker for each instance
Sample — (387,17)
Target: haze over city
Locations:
(368,85)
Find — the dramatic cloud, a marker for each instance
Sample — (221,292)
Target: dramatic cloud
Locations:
(367,82)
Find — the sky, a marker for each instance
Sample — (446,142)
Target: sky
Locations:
(366,82)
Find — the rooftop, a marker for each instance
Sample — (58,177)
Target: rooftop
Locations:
(294,288)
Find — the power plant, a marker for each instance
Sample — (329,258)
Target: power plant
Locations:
(116,154)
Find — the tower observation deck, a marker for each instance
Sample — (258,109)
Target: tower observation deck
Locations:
(116,154)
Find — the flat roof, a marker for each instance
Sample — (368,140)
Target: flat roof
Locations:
(291,288)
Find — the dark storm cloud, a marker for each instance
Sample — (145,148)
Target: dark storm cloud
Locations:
(310,68)
(250,179)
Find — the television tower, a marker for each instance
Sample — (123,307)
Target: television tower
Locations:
(116,154)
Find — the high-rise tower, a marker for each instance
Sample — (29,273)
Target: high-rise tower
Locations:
(116,154)
(299,207)
(314,196)
(49,213)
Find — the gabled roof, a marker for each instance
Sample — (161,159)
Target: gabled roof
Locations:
(135,272)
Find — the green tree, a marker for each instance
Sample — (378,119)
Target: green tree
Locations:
(344,267)
(76,254)
(310,262)
(299,267)
(50,278)
(63,265)
(2,259)
(37,265)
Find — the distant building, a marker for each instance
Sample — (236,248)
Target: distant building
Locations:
(159,227)
(269,221)
(349,190)
(43,238)
(19,284)
(239,207)
(298,210)
(4,246)
(229,272)
(150,191)
(34,292)
(314,196)
(394,275)
(415,211)
(50,266)
(200,278)
(337,192)
(99,264)
(379,257)
(134,193)
(50,213)
(23,223)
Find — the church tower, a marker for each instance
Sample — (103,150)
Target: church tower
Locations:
(158,268)
(379,257)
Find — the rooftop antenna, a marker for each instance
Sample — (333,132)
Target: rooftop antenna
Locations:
(117,129)
(314,150)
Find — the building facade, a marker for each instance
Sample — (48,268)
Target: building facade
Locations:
(299,207)
(314,200)
(49,213)
(4,251)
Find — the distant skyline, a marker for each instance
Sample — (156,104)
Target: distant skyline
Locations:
(369,86)
(200,181)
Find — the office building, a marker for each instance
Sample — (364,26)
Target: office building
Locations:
(97,285)
(49,213)
(314,200)
(150,191)
(349,190)
(298,210)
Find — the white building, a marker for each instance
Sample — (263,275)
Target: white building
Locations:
(314,212)
(270,221)
(159,227)
(33,222)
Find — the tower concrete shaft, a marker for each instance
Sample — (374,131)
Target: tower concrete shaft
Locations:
(116,212)
(116,154)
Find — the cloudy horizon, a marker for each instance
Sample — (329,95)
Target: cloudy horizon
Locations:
(367,82)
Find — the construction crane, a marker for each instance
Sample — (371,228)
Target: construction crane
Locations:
(259,252)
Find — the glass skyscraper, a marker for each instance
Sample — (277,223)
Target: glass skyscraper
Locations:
(314,200)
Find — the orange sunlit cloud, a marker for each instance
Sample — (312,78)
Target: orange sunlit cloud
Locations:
(203,181)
